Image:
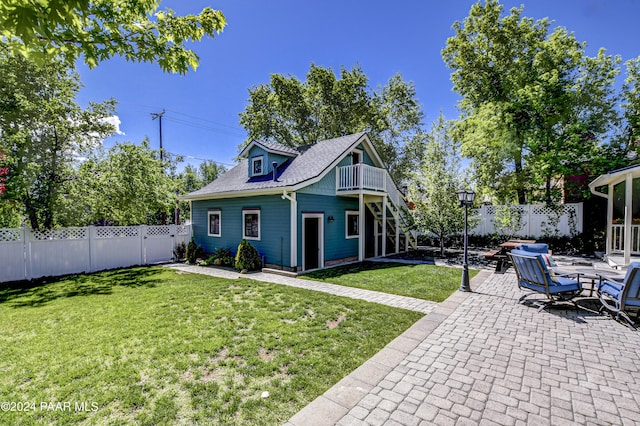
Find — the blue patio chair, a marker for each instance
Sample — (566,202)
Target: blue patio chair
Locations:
(620,297)
(534,275)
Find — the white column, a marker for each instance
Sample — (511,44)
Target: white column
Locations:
(294,230)
(608,246)
(384,226)
(628,212)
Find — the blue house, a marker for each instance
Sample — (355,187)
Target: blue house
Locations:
(304,208)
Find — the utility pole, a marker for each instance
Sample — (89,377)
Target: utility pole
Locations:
(159,115)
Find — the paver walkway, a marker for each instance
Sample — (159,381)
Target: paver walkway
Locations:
(409,303)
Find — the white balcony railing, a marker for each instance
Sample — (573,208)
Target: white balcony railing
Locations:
(365,177)
(361,176)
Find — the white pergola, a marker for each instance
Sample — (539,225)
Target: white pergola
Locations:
(609,180)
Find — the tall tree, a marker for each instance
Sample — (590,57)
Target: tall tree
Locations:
(399,116)
(296,113)
(436,177)
(208,171)
(531,99)
(631,105)
(193,178)
(100,29)
(127,185)
(42,129)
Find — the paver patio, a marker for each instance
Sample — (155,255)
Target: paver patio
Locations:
(493,361)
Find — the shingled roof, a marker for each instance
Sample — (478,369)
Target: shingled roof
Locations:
(311,162)
(275,147)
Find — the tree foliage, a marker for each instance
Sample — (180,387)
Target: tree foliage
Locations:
(194,178)
(534,106)
(127,185)
(631,105)
(42,130)
(100,29)
(297,113)
(436,177)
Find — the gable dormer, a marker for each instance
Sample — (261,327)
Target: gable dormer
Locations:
(261,157)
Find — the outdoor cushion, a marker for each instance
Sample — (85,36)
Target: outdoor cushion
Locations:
(542,249)
(548,260)
(611,289)
(535,248)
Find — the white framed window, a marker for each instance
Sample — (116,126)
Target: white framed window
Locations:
(352,224)
(251,224)
(257,166)
(215,223)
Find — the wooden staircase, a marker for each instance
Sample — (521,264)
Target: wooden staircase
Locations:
(405,238)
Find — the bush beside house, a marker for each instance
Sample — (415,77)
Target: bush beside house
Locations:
(247,257)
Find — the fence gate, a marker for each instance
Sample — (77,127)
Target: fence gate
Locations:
(159,243)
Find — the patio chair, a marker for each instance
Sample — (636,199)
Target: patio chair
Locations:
(620,297)
(533,274)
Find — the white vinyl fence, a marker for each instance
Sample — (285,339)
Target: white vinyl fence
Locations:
(538,220)
(26,254)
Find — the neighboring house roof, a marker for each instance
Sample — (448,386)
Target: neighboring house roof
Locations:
(309,165)
(274,147)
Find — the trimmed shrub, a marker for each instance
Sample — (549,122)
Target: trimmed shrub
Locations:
(247,257)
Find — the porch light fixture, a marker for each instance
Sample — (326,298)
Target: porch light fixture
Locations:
(331,219)
(466,199)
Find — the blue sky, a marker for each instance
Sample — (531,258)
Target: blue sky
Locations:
(286,36)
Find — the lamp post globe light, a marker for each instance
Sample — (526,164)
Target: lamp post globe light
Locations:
(466,199)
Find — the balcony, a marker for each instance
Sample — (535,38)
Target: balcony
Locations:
(360,176)
(365,178)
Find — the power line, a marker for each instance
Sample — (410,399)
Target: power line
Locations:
(203,126)
(235,128)
(202,123)
(202,159)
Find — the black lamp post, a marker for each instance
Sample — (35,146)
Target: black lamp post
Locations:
(466,199)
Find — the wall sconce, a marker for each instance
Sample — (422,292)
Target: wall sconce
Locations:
(331,219)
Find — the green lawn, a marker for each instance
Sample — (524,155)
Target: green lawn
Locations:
(155,346)
(427,282)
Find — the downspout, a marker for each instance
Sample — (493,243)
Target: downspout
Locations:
(293,221)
